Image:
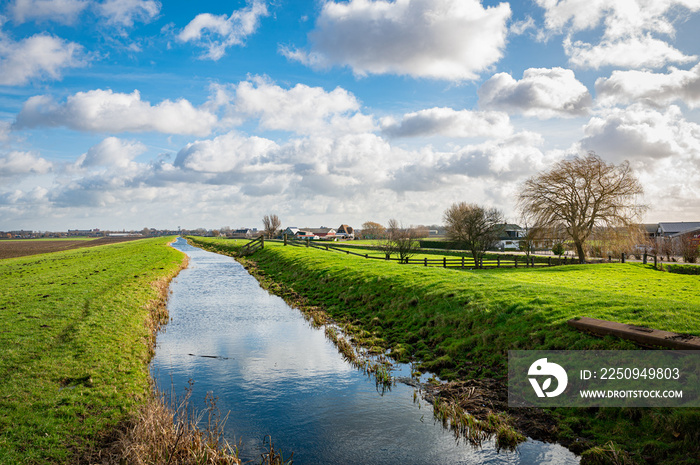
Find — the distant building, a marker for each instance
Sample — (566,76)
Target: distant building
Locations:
(243,233)
(673,229)
(345,231)
(323,233)
(509,236)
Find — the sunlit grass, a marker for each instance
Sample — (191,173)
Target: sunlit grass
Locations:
(461,323)
(75,339)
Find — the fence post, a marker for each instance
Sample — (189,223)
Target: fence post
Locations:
(387,256)
(425,261)
(533,262)
(645,259)
(366,255)
(549,262)
(564,259)
(462,261)
(444,262)
(262,242)
(623,257)
(498,261)
(307,241)
(285,239)
(655,261)
(516,261)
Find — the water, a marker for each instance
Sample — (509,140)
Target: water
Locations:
(278,376)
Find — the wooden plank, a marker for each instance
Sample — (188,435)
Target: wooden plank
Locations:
(644,336)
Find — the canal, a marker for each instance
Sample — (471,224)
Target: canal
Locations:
(278,376)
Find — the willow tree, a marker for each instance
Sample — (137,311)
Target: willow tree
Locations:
(581,194)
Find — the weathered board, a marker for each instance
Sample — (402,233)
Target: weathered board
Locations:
(639,334)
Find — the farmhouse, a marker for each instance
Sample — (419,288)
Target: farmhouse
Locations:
(509,236)
(244,233)
(675,229)
(345,231)
(323,233)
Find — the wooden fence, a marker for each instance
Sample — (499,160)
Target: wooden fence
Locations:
(252,246)
(507,261)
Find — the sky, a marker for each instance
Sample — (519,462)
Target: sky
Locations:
(125,114)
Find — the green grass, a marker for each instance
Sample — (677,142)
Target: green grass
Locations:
(75,344)
(461,324)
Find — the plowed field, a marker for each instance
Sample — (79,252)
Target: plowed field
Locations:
(19,248)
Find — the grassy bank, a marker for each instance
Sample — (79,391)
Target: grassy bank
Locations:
(460,324)
(76,334)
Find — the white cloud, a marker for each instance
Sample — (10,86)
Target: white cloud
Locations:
(450,123)
(440,39)
(301,109)
(505,159)
(544,93)
(61,11)
(624,87)
(111,152)
(217,33)
(663,149)
(630,30)
(228,152)
(633,52)
(522,26)
(126,12)
(41,56)
(107,111)
(18,163)
(643,134)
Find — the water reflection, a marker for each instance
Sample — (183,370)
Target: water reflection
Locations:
(278,376)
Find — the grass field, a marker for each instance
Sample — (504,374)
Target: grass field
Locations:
(461,324)
(75,341)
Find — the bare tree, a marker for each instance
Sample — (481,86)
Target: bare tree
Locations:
(473,227)
(372,230)
(271,224)
(689,248)
(528,241)
(580,194)
(400,241)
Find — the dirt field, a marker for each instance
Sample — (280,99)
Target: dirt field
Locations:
(19,248)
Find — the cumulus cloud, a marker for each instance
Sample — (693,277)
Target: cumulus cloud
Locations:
(224,153)
(112,152)
(61,11)
(505,159)
(19,163)
(126,12)
(630,30)
(544,93)
(633,52)
(440,39)
(106,111)
(217,33)
(448,122)
(301,109)
(41,56)
(644,134)
(662,147)
(624,87)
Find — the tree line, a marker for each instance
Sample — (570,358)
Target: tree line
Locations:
(582,201)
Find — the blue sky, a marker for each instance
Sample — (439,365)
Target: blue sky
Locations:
(137,113)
